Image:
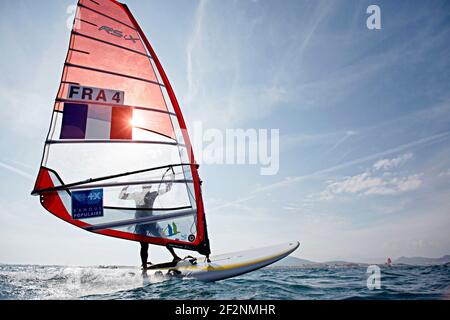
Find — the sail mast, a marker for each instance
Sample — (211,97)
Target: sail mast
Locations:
(202,232)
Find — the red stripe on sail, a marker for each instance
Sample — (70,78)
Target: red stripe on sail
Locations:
(121,123)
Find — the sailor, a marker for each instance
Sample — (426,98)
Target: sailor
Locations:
(144,200)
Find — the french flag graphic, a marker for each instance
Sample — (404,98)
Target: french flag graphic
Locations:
(89,121)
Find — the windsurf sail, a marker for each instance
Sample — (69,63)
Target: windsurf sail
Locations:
(118,160)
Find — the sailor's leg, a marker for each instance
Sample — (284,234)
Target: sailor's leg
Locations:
(144,254)
(174,255)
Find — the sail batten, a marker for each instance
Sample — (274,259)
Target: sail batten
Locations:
(112,73)
(98,179)
(109,43)
(72,141)
(112,184)
(116,119)
(139,221)
(106,104)
(105,15)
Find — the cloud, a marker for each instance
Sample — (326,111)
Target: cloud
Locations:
(386,164)
(445,173)
(397,185)
(292,180)
(16,170)
(347,135)
(228,81)
(353,184)
(194,40)
(367,184)
(375,180)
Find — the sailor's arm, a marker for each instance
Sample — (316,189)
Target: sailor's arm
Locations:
(124,195)
(168,186)
(166,189)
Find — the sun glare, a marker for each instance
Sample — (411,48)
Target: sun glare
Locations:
(135,122)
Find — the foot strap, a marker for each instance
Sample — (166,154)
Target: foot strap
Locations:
(191,259)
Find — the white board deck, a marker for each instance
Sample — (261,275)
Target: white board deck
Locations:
(232,264)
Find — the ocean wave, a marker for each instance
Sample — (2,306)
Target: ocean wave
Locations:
(116,282)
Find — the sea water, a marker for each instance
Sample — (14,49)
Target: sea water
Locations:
(62,282)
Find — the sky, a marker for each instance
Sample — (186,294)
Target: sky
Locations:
(363,118)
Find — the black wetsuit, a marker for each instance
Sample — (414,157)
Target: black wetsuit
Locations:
(145,200)
(144,253)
